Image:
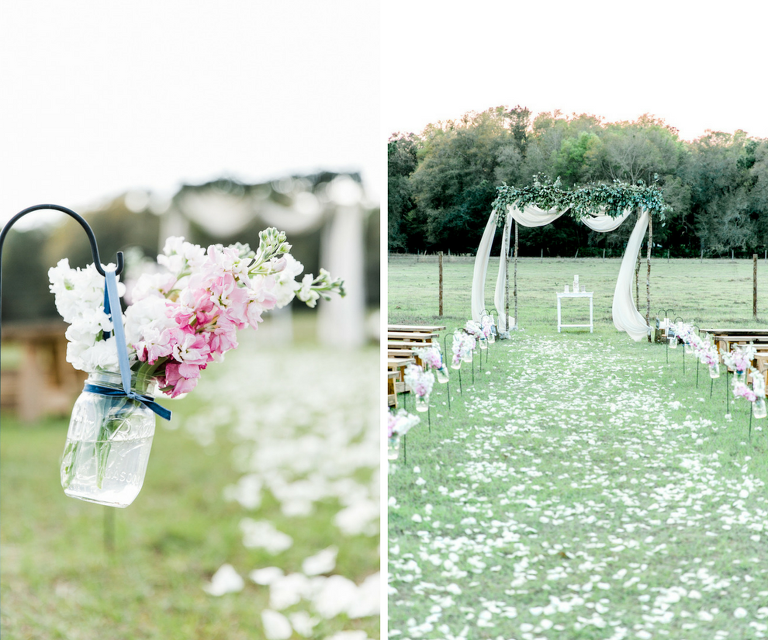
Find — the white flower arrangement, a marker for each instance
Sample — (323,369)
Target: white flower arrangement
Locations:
(420,381)
(400,423)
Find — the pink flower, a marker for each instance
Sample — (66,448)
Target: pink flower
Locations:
(190,348)
(181,377)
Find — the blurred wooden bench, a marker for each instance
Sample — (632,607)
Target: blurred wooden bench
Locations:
(398,363)
(44,383)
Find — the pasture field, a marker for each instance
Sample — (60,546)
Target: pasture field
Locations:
(583,487)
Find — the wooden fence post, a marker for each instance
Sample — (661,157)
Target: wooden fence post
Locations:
(440,263)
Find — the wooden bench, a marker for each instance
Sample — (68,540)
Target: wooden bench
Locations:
(44,383)
(392,378)
(398,364)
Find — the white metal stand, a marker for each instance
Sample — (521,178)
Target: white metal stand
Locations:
(580,294)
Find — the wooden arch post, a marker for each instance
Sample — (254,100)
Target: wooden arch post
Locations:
(648,277)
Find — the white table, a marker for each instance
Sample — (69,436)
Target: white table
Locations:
(580,294)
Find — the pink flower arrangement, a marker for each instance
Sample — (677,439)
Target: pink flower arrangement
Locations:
(463,343)
(431,356)
(187,315)
(740,390)
(740,358)
(400,423)
(418,380)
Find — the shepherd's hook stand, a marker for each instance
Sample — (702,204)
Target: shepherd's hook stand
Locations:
(109,514)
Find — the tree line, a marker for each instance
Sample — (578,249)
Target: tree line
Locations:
(442,182)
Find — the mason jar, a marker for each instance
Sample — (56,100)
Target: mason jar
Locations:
(442,373)
(422,403)
(108,443)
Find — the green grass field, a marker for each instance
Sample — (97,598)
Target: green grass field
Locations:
(699,292)
(581,488)
(58,581)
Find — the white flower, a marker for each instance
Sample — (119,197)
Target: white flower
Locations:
(285,281)
(305,293)
(178,255)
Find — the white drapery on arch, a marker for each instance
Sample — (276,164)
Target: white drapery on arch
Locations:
(625,314)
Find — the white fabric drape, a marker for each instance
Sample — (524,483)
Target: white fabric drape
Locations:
(532,216)
(481,268)
(604,223)
(625,314)
(626,317)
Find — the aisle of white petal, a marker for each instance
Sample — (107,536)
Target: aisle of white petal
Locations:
(321,446)
(576,500)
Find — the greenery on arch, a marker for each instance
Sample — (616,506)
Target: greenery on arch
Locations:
(608,199)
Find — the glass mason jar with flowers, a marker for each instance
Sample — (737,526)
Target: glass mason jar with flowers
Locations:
(108,442)
(184,315)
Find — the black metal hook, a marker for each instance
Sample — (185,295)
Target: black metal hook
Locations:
(86,227)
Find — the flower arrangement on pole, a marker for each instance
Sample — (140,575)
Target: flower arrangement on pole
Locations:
(421,383)
(476,331)
(183,317)
(398,424)
(462,347)
(740,360)
(489,328)
(709,356)
(432,357)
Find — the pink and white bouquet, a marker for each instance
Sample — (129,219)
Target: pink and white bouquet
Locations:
(708,355)
(474,329)
(463,345)
(740,358)
(487,326)
(431,356)
(741,390)
(187,314)
(419,381)
(400,423)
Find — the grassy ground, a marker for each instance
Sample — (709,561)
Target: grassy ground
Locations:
(58,581)
(582,487)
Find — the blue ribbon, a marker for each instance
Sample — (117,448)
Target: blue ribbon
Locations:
(112,301)
(147,401)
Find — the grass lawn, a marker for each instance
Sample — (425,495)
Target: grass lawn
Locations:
(582,488)
(58,581)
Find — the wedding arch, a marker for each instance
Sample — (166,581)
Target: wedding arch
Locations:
(602,208)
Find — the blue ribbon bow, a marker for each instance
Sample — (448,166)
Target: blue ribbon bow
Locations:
(112,301)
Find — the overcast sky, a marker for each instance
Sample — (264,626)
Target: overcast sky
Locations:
(101,97)
(696,65)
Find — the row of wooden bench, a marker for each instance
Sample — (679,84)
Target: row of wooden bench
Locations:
(726,339)
(401,341)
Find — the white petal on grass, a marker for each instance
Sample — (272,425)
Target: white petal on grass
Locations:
(348,635)
(266,576)
(287,591)
(263,534)
(323,562)
(740,613)
(276,625)
(303,623)
(358,518)
(225,580)
(368,600)
(336,596)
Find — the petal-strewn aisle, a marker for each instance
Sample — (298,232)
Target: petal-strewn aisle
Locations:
(577,492)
